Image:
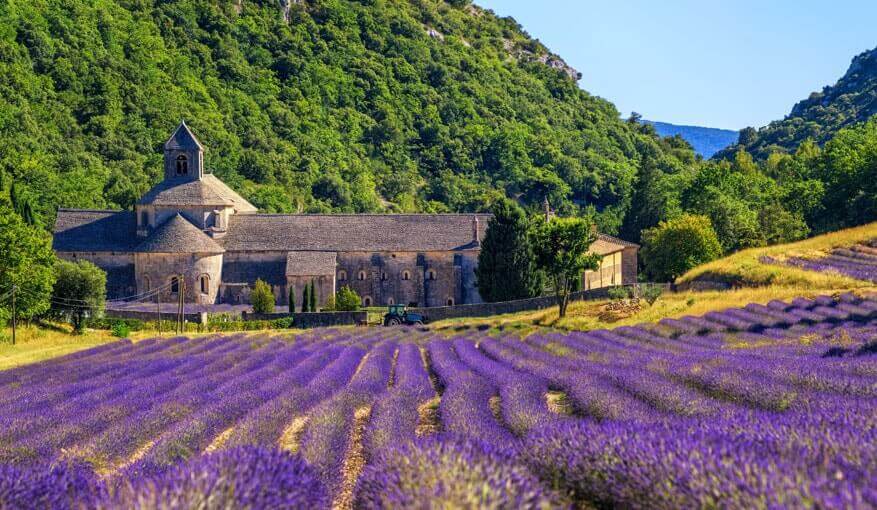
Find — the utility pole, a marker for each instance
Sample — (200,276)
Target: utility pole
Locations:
(182,289)
(158,309)
(14,288)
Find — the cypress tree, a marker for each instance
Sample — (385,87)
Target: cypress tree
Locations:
(305,300)
(506,265)
(291,299)
(313,297)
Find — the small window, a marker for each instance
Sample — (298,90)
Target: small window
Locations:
(391,301)
(342,276)
(182,165)
(383,277)
(406,275)
(205,284)
(450,301)
(367,301)
(144,219)
(175,285)
(430,275)
(361,276)
(146,284)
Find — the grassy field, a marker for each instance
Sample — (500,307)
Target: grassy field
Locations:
(39,343)
(745,268)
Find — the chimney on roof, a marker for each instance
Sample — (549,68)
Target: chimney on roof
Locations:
(476,233)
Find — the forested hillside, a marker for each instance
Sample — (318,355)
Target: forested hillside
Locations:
(853,99)
(705,141)
(325,105)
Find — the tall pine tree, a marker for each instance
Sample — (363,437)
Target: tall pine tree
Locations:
(506,268)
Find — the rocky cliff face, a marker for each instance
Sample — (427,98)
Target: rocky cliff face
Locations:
(851,100)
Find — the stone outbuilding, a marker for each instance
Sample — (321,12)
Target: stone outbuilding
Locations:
(191,233)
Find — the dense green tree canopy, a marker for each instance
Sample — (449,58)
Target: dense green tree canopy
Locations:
(385,105)
(852,100)
(26,262)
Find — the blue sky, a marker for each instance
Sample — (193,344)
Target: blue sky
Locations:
(726,64)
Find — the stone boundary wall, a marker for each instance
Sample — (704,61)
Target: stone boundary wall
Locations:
(702,285)
(312,320)
(439,313)
(194,318)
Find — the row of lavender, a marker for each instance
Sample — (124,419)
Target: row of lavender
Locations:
(859,262)
(764,406)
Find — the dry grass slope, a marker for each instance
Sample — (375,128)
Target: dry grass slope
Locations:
(745,268)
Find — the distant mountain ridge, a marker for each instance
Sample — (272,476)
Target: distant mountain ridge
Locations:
(706,141)
(853,99)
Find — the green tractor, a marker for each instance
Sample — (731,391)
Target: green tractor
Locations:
(398,315)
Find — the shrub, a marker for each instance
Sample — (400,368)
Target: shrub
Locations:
(330,304)
(347,300)
(650,292)
(618,293)
(121,330)
(675,246)
(262,298)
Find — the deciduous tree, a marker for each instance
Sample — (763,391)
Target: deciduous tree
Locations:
(561,247)
(80,291)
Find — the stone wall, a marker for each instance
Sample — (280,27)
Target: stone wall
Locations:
(434,314)
(433,278)
(157,269)
(629,265)
(323,284)
(194,318)
(240,270)
(119,267)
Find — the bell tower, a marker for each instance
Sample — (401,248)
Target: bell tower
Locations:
(183,156)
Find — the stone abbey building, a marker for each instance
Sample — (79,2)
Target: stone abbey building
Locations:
(192,226)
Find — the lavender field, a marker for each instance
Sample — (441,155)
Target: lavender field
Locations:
(859,262)
(767,406)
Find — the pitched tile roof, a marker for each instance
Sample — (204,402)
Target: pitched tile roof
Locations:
(606,244)
(352,232)
(88,230)
(310,263)
(178,235)
(207,191)
(183,139)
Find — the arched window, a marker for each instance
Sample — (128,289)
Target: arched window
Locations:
(367,301)
(361,276)
(205,284)
(175,285)
(430,275)
(383,277)
(406,275)
(182,165)
(144,219)
(450,301)
(342,276)
(391,301)
(147,286)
